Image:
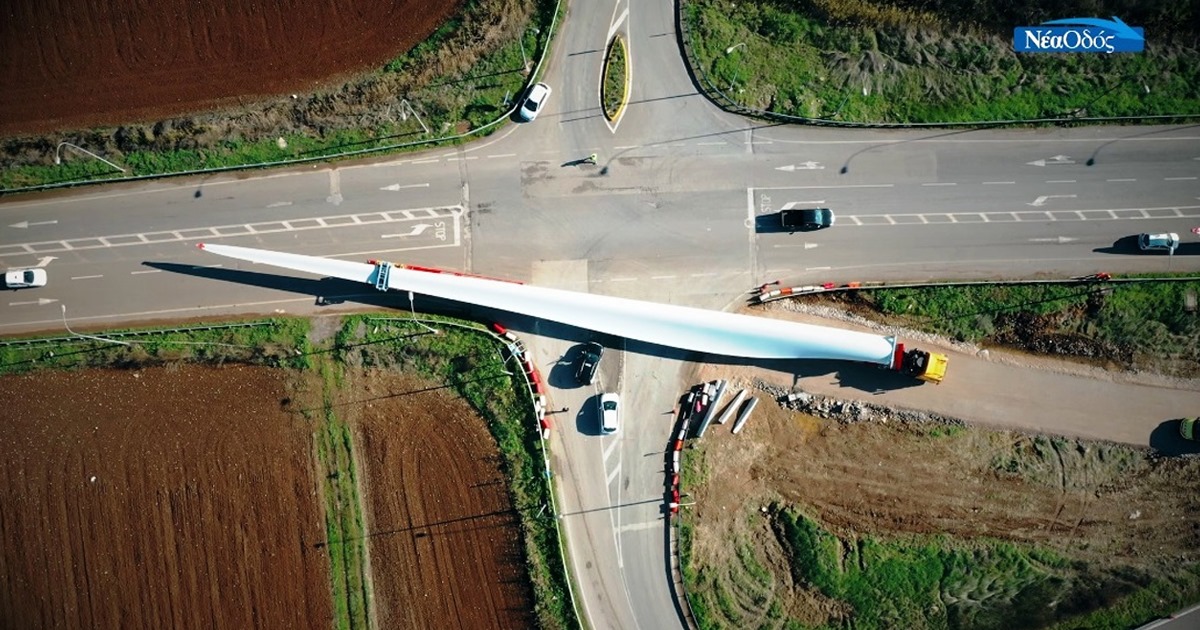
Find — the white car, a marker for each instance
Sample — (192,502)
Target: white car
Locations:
(25,278)
(610,410)
(1158,242)
(534,102)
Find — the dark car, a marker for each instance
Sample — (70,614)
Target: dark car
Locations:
(589,360)
(806,219)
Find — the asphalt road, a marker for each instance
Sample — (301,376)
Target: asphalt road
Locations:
(679,209)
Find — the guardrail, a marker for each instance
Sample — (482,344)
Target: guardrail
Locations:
(724,101)
(129,333)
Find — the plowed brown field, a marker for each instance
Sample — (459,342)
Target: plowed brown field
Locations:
(158,498)
(187,498)
(80,63)
(443,537)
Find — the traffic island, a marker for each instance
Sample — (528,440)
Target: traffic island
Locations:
(614,90)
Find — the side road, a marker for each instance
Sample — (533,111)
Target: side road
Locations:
(1011,390)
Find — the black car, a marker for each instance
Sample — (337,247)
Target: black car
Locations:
(589,360)
(806,219)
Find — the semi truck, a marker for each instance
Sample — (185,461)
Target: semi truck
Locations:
(919,364)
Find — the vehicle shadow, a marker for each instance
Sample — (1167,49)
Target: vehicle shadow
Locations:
(863,377)
(770,224)
(587,417)
(1128,246)
(1166,440)
(562,373)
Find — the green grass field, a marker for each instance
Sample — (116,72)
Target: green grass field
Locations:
(863,61)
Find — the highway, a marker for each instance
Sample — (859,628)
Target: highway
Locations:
(678,209)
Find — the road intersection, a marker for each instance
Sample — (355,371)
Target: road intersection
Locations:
(672,212)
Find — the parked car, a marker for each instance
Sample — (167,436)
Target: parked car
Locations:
(25,278)
(534,101)
(589,360)
(806,219)
(1158,242)
(609,412)
(1187,429)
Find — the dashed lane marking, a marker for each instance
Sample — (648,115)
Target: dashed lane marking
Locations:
(224,231)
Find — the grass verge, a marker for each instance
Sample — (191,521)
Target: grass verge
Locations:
(276,341)
(865,61)
(919,582)
(1138,325)
(344,529)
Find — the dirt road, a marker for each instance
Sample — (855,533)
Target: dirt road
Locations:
(1014,391)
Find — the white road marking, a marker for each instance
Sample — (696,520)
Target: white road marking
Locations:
(612,444)
(662,277)
(134,273)
(425,161)
(26,224)
(85,277)
(502,155)
(940,184)
(829,187)
(616,23)
(627,146)
(636,527)
(1178,179)
(997,183)
(702,275)
(818,268)
(1060,181)
(616,472)
(37,302)
(279,204)
(1121,179)
(400,187)
(1058,159)
(710,144)
(228,231)
(335,187)
(415,231)
(1056,239)
(803,166)
(622,279)
(1041,201)
(1182,211)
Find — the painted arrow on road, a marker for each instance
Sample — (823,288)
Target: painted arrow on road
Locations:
(1056,239)
(398,186)
(26,224)
(37,302)
(415,231)
(803,166)
(1041,201)
(1058,159)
